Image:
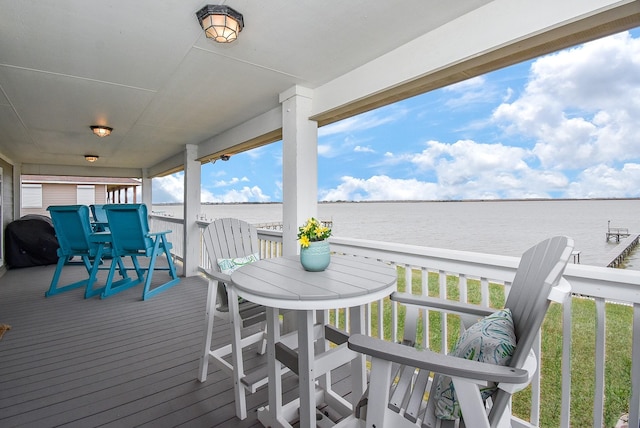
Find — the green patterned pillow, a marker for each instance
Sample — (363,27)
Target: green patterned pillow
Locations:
(490,340)
(228,266)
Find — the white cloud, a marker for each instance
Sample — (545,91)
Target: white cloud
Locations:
(256,153)
(462,170)
(601,181)
(379,188)
(325,150)
(171,189)
(339,147)
(363,149)
(581,105)
(486,185)
(364,121)
(234,180)
(472,84)
(246,194)
(466,157)
(206,196)
(472,91)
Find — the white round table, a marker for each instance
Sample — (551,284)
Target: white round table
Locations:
(282,283)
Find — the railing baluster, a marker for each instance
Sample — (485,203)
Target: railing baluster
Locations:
(484,287)
(444,342)
(462,281)
(634,405)
(565,412)
(380,319)
(425,313)
(368,320)
(598,400)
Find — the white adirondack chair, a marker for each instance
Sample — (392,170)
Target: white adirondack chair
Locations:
(231,239)
(404,378)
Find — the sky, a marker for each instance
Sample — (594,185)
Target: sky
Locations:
(565,125)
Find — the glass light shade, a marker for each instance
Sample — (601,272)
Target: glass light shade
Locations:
(91,158)
(101,131)
(220,23)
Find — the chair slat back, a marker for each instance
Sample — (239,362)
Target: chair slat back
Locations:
(99,217)
(129,226)
(73,227)
(540,269)
(228,238)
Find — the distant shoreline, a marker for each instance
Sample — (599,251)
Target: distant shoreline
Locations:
(413,201)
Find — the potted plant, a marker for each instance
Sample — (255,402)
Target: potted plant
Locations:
(315,254)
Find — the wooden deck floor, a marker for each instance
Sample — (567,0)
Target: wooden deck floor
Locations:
(117,362)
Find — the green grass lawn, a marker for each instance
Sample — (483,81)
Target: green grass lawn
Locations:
(618,351)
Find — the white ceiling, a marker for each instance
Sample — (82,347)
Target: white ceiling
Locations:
(146,69)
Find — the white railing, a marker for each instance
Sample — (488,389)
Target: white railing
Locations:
(596,283)
(158,223)
(480,277)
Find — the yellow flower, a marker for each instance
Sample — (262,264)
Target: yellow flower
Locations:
(312,231)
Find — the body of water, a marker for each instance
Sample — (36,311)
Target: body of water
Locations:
(497,227)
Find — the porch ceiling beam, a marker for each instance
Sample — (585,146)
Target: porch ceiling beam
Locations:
(169,166)
(259,131)
(498,41)
(79,171)
(263,129)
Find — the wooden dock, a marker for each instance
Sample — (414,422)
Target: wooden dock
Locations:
(619,253)
(616,233)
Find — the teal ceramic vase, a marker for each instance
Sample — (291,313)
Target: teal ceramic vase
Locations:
(316,257)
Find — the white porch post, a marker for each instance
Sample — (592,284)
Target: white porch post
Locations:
(17,191)
(191,239)
(299,164)
(146,193)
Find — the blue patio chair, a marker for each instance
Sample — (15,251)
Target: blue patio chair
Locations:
(73,231)
(130,237)
(100,222)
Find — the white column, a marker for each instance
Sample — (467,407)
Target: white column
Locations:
(146,193)
(299,164)
(191,239)
(17,191)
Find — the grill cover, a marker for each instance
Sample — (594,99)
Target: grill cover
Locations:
(30,241)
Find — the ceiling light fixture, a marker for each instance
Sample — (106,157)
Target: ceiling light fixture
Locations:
(225,157)
(101,131)
(220,23)
(91,158)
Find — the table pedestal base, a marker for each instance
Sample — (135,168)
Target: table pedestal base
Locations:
(338,408)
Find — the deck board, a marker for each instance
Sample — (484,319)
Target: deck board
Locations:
(118,362)
(115,362)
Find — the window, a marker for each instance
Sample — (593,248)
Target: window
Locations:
(32,196)
(86,194)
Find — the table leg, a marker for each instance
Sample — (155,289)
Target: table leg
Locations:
(306,369)
(236,354)
(322,318)
(269,417)
(358,367)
